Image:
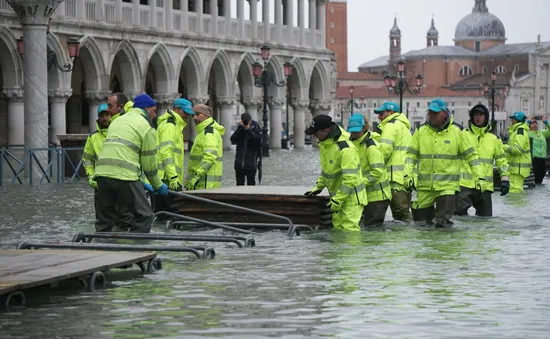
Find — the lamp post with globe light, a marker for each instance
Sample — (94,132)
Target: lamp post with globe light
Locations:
(398,85)
(490,91)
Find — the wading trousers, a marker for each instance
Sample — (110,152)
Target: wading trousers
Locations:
(375,212)
(129,195)
(468,197)
(348,217)
(516,183)
(539,169)
(400,204)
(423,207)
(123,218)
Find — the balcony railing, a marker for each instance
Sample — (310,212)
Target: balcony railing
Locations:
(130,14)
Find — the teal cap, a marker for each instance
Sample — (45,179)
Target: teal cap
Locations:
(519,116)
(437,106)
(102,108)
(185,105)
(356,123)
(388,106)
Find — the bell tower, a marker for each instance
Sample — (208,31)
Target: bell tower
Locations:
(395,45)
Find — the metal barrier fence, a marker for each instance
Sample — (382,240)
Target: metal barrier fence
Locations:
(40,165)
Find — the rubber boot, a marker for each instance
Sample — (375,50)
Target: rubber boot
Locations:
(424,214)
(444,209)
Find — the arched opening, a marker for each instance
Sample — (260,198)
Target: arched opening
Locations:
(217,86)
(245,89)
(157,76)
(125,70)
(11,120)
(189,80)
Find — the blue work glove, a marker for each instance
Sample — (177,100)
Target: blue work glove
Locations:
(545,122)
(148,187)
(528,122)
(334,205)
(504,187)
(313,192)
(162,190)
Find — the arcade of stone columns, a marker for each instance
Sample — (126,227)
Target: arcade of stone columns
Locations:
(66,103)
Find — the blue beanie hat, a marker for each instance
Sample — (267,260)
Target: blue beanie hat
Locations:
(144,101)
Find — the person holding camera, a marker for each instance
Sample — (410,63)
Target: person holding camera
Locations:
(538,147)
(248,138)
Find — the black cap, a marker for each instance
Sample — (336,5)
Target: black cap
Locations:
(246,116)
(320,122)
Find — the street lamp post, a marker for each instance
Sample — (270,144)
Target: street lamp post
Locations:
(398,85)
(491,91)
(350,104)
(263,79)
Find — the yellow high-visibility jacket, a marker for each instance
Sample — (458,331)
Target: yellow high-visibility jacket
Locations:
(206,156)
(129,148)
(92,150)
(489,149)
(437,155)
(395,139)
(518,150)
(170,145)
(373,169)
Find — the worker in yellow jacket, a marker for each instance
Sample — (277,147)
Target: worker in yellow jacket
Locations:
(518,151)
(489,150)
(129,149)
(373,169)
(118,104)
(205,167)
(170,145)
(437,150)
(340,174)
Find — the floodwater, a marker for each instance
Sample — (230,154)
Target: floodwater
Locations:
(486,278)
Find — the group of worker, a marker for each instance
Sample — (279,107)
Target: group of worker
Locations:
(449,167)
(133,152)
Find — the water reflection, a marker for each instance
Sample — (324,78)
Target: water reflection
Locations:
(486,278)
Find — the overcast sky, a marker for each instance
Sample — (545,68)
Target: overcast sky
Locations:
(369,23)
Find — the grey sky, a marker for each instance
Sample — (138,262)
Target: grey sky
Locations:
(369,23)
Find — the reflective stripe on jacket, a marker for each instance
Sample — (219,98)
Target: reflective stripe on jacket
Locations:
(538,142)
(437,154)
(518,150)
(92,150)
(489,150)
(206,156)
(395,139)
(340,168)
(373,169)
(170,145)
(129,148)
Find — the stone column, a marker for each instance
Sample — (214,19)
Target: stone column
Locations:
(214,17)
(227,110)
(251,106)
(16,116)
(135,12)
(80,9)
(312,20)
(240,16)
(276,118)
(265,19)
(547,98)
(302,22)
(227,14)
(199,9)
(300,108)
(538,74)
(254,19)
(100,10)
(35,21)
(153,13)
(278,20)
(118,11)
(164,102)
(184,16)
(169,15)
(321,21)
(58,100)
(95,98)
(289,18)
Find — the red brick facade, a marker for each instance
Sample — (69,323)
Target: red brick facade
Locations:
(337,32)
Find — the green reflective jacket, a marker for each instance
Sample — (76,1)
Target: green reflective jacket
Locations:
(538,142)
(437,154)
(518,150)
(395,139)
(92,150)
(129,148)
(170,145)
(206,156)
(340,168)
(490,151)
(373,169)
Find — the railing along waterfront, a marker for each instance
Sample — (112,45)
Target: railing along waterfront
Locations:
(40,165)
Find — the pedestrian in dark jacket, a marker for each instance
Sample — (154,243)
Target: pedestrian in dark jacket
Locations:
(248,138)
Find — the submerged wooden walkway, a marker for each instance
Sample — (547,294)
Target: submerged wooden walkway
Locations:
(24,269)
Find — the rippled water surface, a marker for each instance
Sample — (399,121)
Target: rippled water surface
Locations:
(486,278)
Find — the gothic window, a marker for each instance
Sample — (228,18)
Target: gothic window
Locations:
(418,104)
(332,25)
(484,69)
(394,42)
(478,46)
(332,9)
(469,103)
(331,40)
(500,69)
(374,104)
(516,68)
(465,71)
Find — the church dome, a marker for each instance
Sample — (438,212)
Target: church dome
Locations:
(432,32)
(480,25)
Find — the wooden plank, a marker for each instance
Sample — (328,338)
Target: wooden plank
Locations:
(261,190)
(23,263)
(61,265)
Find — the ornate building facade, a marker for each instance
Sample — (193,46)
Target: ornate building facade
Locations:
(200,50)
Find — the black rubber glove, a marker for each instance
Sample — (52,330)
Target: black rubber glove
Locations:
(504,187)
(313,193)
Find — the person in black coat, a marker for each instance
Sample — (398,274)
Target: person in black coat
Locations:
(248,138)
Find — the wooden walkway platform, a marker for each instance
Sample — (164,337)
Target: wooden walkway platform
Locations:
(24,269)
(287,201)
